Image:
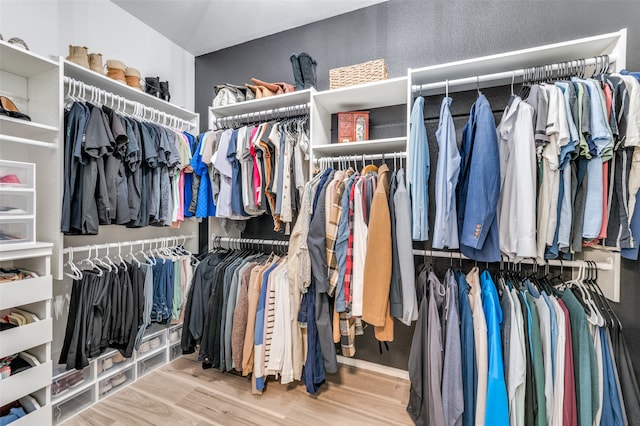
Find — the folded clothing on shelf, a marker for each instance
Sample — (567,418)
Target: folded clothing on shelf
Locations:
(7,275)
(68,382)
(12,210)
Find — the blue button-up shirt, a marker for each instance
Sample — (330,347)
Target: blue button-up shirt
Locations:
(418,169)
(445,229)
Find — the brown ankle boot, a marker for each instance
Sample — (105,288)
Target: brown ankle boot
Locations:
(95,63)
(132,76)
(115,70)
(78,55)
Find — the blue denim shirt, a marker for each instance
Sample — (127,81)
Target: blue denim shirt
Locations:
(445,228)
(418,169)
(479,187)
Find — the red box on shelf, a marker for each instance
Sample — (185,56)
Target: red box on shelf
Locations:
(353,126)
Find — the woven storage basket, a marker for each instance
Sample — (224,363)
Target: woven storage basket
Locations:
(365,72)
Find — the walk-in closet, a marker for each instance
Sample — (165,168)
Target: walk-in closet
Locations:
(308,212)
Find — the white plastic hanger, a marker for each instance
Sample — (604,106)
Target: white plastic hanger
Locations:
(76,273)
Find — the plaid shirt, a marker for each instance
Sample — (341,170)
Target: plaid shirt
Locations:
(349,263)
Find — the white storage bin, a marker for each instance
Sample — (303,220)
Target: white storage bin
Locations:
(73,406)
(149,364)
(17,175)
(16,204)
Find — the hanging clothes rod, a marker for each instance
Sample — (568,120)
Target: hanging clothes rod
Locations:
(229,242)
(361,157)
(524,74)
(289,111)
(603,266)
(89,93)
(163,240)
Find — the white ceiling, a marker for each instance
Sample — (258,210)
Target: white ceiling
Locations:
(203,26)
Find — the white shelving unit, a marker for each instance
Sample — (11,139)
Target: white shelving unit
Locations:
(32,295)
(98,383)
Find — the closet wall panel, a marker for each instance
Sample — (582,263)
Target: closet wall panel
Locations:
(412,34)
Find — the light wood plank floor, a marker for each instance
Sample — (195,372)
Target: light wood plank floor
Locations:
(182,393)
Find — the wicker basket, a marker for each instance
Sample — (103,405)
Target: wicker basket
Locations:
(358,74)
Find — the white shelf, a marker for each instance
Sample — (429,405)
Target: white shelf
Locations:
(363,96)
(87,76)
(23,62)
(37,249)
(263,104)
(27,129)
(559,52)
(24,337)
(4,217)
(26,382)
(374,146)
(23,292)
(6,188)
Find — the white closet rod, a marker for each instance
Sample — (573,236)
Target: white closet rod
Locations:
(361,157)
(27,141)
(603,266)
(79,89)
(503,76)
(92,247)
(288,111)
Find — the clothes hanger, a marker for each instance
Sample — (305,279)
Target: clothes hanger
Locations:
(150,260)
(76,273)
(92,265)
(109,262)
(120,259)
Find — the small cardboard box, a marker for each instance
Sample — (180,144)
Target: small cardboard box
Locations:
(353,126)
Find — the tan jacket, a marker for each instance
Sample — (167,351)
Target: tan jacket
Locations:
(377,271)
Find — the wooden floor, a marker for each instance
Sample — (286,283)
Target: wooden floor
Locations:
(182,393)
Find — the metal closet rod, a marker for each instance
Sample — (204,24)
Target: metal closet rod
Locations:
(92,247)
(603,266)
(254,241)
(529,72)
(79,89)
(288,111)
(361,157)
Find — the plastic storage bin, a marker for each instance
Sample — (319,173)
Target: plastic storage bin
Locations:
(16,175)
(17,231)
(115,382)
(65,385)
(149,364)
(73,406)
(16,204)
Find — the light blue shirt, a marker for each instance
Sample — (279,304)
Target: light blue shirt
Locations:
(418,169)
(497,402)
(445,228)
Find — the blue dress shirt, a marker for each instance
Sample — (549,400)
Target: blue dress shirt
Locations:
(497,402)
(418,169)
(445,229)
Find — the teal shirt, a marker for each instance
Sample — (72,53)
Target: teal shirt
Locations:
(535,347)
(584,360)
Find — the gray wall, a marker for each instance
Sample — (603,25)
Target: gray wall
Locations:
(413,34)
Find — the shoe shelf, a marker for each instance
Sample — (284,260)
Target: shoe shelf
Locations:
(264,104)
(98,383)
(19,61)
(28,132)
(92,78)
(32,295)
